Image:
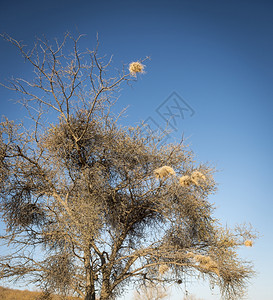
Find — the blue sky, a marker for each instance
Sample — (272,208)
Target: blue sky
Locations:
(216,56)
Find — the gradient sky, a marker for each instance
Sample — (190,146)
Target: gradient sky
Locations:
(215,55)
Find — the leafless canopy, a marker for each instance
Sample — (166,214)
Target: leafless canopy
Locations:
(85,213)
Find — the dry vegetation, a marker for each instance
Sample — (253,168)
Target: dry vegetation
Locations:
(12,294)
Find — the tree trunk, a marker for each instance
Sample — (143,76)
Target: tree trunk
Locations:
(105,289)
(90,295)
(89,287)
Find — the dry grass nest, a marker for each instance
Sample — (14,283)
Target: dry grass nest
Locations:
(136,67)
(164,171)
(196,178)
(185,180)
(207,263)
(163,269)
(248,243)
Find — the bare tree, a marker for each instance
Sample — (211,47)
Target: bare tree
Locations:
(91,206)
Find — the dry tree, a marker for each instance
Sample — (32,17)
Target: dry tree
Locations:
(85,213)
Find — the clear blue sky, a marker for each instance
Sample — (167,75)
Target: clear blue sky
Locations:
(216,55)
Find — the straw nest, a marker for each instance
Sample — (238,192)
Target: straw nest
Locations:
(136,67)
(207,263)
(202,259)
(185,180)
(248,243)
(163,269)
(164,171)
(196,178)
